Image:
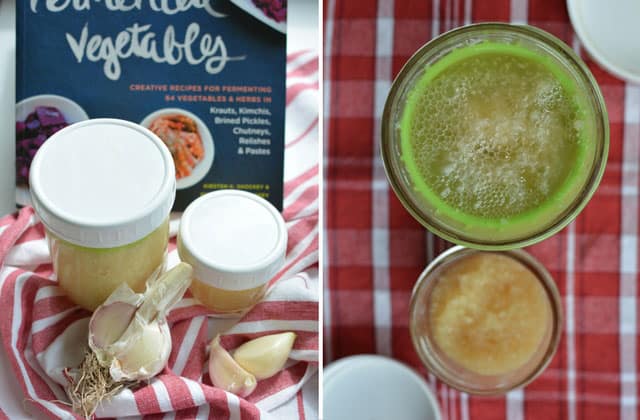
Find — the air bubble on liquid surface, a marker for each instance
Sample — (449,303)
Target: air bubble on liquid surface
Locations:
(548,93)
(447,170)
(455,130)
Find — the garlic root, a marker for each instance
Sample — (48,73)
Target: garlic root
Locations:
(91,384)
(225,373)
(265,356)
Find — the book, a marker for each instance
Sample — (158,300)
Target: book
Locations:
(207,76)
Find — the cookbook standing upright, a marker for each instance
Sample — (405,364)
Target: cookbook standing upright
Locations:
(207,77)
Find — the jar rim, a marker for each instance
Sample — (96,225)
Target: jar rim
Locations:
(402,186)
(438,367)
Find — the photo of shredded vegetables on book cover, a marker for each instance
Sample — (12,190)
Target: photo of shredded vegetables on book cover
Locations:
(206,76)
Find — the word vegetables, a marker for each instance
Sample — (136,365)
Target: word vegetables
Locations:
(138,41)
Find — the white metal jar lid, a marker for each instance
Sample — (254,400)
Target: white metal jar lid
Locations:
(234,240)
(103,183)
(611,33)
(376,388)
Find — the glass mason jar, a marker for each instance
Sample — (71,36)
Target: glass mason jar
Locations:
(544,218)
(236,243)
(422,319)
(103,190)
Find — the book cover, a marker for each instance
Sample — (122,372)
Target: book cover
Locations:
(207,76)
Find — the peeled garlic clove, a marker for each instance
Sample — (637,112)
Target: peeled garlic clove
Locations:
(142,352)
(265,356)
(225,373)
(108,323)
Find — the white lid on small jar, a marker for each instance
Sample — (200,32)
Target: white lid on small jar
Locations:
(103,183)
(234,240)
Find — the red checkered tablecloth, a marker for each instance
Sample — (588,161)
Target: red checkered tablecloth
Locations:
(374,249)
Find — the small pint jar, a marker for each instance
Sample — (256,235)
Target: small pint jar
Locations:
(534,224)
(422,325)
(103,190)
(236,243)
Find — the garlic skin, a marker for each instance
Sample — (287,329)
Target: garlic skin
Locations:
(265,356)
(107,326)
(225,373)
(129,333)
(110,320)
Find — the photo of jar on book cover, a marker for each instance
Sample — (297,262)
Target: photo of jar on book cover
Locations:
(207,77)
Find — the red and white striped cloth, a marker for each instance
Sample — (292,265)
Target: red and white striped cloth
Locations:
(375,250)
(41,328)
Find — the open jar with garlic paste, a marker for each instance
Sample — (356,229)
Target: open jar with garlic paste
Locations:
(104,189)
(485,322)
(236,242)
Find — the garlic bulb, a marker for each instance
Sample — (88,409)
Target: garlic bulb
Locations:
(265,356)
(129,333)
(225,373)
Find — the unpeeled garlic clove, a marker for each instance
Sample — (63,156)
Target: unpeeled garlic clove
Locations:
(225,373)
(265,356)
(143,352)
(108,323)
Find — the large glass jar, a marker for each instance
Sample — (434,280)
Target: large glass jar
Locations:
(442,187)
(104,189)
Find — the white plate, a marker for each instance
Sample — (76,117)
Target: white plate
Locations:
(610,31)
(72,112)
(256,12)
(202,168)
(374,387)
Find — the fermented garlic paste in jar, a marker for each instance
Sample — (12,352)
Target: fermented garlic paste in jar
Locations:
(104,189)
(236,242)
(485,322)
(489,313)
